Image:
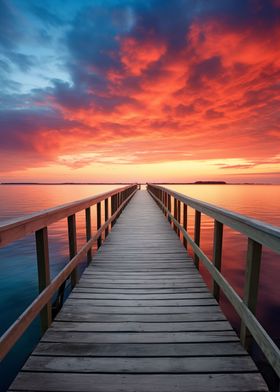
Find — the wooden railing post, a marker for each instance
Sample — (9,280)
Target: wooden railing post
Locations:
(197,222)
(113,198)
(43,264)
(106,212)
(72,238)
(88,233)
(175,214)
(178,216)
(169,205)
(253,264)
(217,255)
(185,223)
(98,223)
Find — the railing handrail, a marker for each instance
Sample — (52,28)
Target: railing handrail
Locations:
(264,233)
(16,228)
(246,307)
(38,223)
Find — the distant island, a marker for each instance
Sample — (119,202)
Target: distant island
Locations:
(210,182)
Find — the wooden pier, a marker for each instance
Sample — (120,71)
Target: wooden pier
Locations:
(140,318)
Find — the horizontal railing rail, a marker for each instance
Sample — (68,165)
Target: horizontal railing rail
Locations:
(37,223)
(258,234)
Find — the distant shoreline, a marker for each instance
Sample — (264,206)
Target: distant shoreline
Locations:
(144,183)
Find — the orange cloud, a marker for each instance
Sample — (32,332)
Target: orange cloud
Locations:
(216,97)
(138,55)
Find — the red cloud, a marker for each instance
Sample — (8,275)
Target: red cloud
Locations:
(216,97)
(138,55)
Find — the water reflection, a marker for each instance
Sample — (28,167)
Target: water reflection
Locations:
(18,279)
(257,201)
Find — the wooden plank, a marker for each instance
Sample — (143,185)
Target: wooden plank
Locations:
(141,310)
(140,365)
(134,337)
(163,297)
(73,315)
(143,291)
(74,382)
(141,327)
(140,350)
(141,303)
(143,286)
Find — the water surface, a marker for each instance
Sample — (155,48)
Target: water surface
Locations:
(18,278)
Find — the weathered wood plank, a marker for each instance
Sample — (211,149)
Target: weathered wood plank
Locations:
(141,303)
(145,296)
(141,310)
(134,337)
(141,327)
(140,365)
(28,381)
(140,350)
(73,315)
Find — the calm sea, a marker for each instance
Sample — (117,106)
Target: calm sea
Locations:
(18,279)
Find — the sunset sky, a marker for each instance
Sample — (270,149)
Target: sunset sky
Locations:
(143,90)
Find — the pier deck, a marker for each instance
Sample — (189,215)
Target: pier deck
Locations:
(140,319)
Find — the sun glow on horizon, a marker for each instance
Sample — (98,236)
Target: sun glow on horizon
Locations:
(114,93)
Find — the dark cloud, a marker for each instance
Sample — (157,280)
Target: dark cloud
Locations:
(4,66)
(46,16)
(213,114)
(18,128)
(22,61)
(182,110)
(8,26)
(205,70)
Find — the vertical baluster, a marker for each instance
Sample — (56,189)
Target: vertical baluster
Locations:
(169,206)
(112,209)
(179,216)
(106,216)
(217,255)
(98,225)
(43,264)
(88,233)
(122,197)
(197,222)
(72,239)
(253,264)
(185,223)
(175,213)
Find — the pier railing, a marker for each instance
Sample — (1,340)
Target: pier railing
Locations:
(38,223)
(258,234)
